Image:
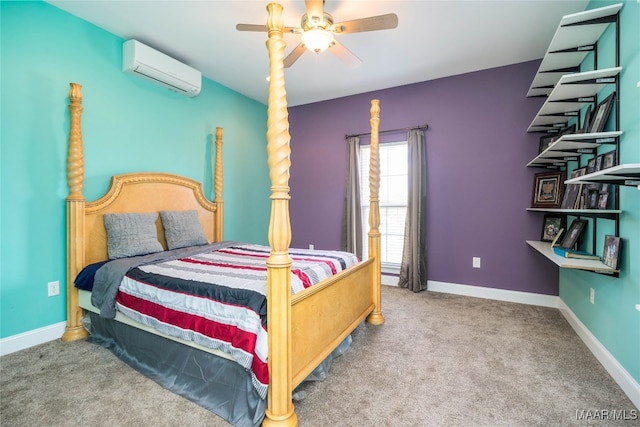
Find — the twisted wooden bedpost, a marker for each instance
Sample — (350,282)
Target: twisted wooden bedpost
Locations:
(75,215)
(375,318)
(280,411)
(218,234)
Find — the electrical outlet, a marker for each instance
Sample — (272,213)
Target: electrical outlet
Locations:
(311,246)
(53,288)
(476,262)
(592,296)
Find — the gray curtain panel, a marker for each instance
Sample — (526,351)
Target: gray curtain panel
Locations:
(413,269)
(352,215)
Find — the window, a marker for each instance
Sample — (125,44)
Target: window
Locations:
(393,199)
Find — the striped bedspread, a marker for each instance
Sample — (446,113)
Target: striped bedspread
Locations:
(218,298)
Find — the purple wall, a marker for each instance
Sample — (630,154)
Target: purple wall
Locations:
(478,184)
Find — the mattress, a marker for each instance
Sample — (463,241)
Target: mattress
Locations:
(212,297)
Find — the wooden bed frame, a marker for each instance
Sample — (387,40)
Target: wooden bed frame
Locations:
(342,302)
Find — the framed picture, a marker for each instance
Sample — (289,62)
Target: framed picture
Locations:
(599,163)
(548,188)
(583,198)
(554,242)
(551,225)
(572,192)
(545,142)
(609,159)
(591,165)
(603,200)
(593,199)
(573,233)
(586,121)
(601,113)
(611,252)
(578,172)
(565,131)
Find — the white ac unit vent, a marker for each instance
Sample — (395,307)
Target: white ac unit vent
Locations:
(149,64)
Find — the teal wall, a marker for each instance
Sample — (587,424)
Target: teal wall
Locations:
(129,125)
(613,319)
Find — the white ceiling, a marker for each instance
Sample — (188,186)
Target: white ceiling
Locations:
(433,39)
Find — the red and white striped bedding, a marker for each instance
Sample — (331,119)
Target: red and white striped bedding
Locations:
(218,298)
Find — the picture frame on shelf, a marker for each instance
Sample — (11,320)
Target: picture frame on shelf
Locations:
(583,198)
(551,226)
(569,129)
(554,242)
(586,121)
(592,200)
(546,141)
(611,251)
(603,200)
(572,191)
(591,165)
(573,233)
(596,186)
(601,113)
(599,159)
(609,159)
(548,189)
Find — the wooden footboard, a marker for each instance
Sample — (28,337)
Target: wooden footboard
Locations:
(323,315)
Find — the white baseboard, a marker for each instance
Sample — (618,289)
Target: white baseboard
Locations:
(495,294)
(389,280)
(620,375)
(31,338)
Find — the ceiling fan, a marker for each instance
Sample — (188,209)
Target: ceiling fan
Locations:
(318,30)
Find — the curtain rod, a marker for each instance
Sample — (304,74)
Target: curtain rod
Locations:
(425,127)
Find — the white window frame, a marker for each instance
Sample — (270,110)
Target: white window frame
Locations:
(388,266)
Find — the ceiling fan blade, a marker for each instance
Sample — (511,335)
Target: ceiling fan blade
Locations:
(345,54)
(294,55)
(373,23)
(314,8)
(256,27)
(251,27)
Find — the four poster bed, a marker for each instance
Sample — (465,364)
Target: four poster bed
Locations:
(304,327)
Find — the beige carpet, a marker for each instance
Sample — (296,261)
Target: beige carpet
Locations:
(439,360)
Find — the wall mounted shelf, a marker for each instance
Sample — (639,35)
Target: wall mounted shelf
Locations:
(568,91)
(612,214)
(582,264)
(627,174)
(568,147)
(572,92)
(574,38)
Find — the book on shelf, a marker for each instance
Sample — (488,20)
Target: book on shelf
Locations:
(570,253)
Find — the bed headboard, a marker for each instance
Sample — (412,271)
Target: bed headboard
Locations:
(128,193)
(140,193)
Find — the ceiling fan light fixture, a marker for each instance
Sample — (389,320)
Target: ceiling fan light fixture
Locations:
(317,40)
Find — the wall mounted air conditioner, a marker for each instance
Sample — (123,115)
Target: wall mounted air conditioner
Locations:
(149,64)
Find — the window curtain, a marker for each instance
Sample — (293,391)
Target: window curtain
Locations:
(352,216)
(413,269)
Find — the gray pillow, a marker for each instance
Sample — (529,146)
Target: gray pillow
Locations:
(182,229)
(131,234)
